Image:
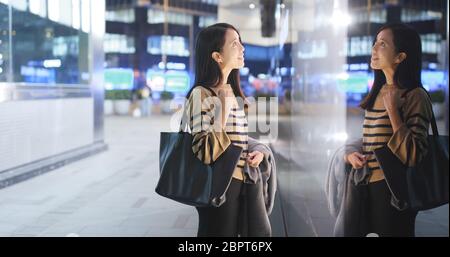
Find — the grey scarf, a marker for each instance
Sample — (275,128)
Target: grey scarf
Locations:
(266,172)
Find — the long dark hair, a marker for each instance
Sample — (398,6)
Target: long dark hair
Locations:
(207,70)
(408,72)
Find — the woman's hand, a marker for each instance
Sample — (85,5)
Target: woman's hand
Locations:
(356,159)
(255,158)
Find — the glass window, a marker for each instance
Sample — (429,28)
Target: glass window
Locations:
(4,42)
(205,21)
(120,15)
(212,2)
(431,43)
(310,49)
(376,16)
(155,16)
(114,43)
(46,43)
(169,45)
(359,46)
(409,15)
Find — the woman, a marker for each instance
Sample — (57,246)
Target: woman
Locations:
(397,114)
(217,124)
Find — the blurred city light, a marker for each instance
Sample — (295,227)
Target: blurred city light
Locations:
(340,19)
(56,63)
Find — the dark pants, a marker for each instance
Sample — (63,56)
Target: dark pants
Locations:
(255,221)
(222,221)
(384,219)
(243,213)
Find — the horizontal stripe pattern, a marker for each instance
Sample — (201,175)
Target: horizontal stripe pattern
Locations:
(377,134)
(374,143)
(383,117)
(378,126)
(377,130)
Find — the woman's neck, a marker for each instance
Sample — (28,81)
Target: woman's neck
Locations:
(225,74)
(389,75)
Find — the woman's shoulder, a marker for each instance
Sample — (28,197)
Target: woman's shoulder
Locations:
(203,90)
(418,99)
(199,94)
(417,94)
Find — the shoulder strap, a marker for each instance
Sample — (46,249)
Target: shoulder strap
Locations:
(185,115)
(433,119)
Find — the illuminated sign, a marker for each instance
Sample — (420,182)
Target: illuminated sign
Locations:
(118,78)
(155,80)
(354,83)
(172,81)
(433,80)
(177,81)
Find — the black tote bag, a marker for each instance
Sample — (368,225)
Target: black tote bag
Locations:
(186,179)
(424,186)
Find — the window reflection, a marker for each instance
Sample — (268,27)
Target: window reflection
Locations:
(4,42)
(120,15)
(360,15)
(157,16)
(409,15)
(46,45)
(431,43)
(205,21)
(115,43)
(169,45)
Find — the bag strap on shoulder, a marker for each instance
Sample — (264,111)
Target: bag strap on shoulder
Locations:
(185,115)
(210,90)
(433,119)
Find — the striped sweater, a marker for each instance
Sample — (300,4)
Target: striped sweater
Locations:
(409,142)
(210,138)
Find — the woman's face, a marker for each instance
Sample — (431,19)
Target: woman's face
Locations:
(384,55)
(232,51)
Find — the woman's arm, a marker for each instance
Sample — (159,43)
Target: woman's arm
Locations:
(409,140)
(209,141)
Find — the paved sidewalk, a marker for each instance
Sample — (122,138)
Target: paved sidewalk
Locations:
(109,194)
